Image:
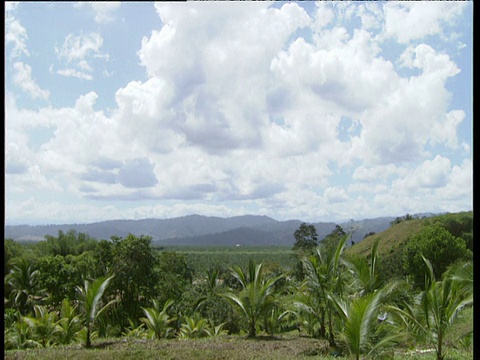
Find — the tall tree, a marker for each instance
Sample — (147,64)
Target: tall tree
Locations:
(306,238)
(134,263)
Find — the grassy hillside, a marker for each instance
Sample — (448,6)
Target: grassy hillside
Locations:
(459,224)
(390,239)
(393,240)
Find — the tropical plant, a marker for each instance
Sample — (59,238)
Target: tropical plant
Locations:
(158,320)
(70,243)
(437,306)
(257,297)
(365,270)
(194,327)
(44,326)
(23,287)
(91,305)
(58,277)
(135,331)
(360,317)
(309,312)
(216,330)
(209,286)
(174,276)
(324,277)
(19,335)
(70,322)
(207,301)
(11,250)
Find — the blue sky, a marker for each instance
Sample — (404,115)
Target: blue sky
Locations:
(297,110)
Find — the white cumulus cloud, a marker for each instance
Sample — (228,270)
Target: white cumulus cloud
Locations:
(408,21)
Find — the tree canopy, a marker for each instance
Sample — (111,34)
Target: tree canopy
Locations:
(436,244)
(306,238)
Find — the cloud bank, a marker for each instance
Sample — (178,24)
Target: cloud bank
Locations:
(280,110)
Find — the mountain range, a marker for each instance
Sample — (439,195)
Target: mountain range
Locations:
(202,230)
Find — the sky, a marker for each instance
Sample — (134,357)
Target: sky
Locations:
(318,111)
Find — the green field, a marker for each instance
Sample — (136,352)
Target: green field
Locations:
(204,257)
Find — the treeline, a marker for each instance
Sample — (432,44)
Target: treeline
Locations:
(72,288)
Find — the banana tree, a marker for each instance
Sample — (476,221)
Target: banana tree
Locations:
(257,297)
(90,299)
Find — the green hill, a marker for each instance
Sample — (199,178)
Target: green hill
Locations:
(393,240)
(390,239)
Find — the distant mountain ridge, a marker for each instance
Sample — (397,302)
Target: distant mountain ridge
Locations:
(201,230)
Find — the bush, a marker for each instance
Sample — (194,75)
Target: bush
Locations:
(436,244)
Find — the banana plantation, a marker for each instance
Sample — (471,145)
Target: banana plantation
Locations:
(72,289)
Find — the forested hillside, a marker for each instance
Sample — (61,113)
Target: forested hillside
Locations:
(200,230)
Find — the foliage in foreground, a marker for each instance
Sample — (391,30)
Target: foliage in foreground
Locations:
(339,300)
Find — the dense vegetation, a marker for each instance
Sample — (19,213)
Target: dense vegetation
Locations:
(399,289)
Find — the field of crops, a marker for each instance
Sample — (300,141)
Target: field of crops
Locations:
(204,257)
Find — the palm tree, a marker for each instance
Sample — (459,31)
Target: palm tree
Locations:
(194,327)
(210,286)
(324,277)
(360,322)
(70,322)
(19,335)
(24,286)
(257,296)
(44,326)
(436,308)
(365,271)
(90,298)
(158,320)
